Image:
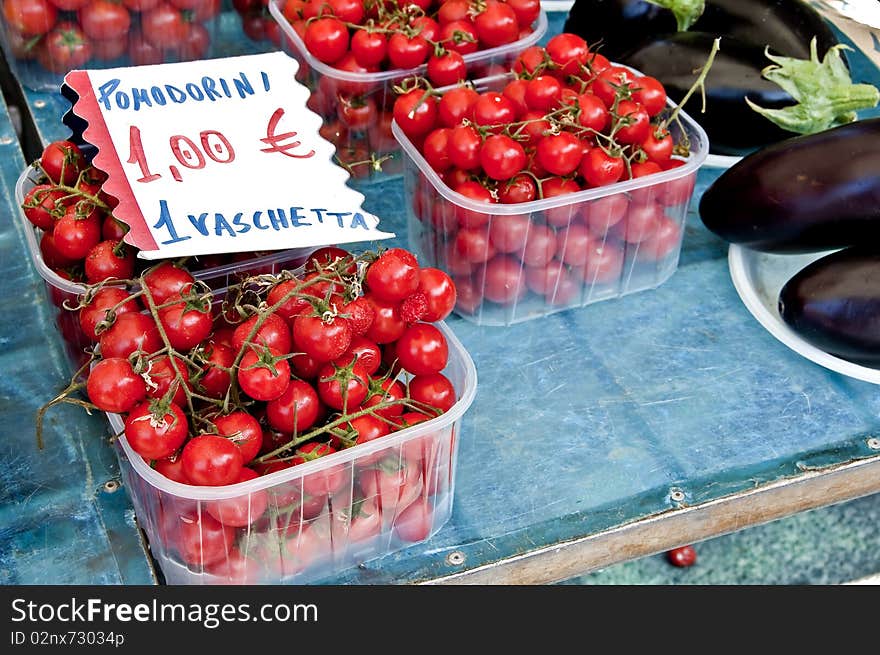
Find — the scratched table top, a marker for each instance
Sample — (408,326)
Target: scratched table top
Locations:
(597,435)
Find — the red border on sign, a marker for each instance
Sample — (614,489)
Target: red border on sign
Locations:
(107,159)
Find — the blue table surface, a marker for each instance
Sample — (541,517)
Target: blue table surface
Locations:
(583,420)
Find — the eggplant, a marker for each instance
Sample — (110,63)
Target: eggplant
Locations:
(834,304)
(733,127)
(786,26)
(808,193)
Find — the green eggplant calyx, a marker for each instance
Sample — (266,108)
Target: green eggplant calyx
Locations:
(686,12)
(825,94)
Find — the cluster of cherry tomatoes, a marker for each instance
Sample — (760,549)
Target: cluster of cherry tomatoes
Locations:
(367,36)
(565,120)
(287,369)
(62,35)
(81,240)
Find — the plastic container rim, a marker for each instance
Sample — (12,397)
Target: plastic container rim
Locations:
(697,158)
(193,492)
(78,288)
(383,76)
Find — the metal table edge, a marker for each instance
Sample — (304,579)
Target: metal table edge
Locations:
(814,488)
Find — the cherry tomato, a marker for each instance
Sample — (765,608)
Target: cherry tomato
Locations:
(439,292)
(66,47)
(650,94)
(106,303)
(422,349)
(456,104)
(446,69)
(520,188)
(113,386)
(365,351)
(369,48)
(109,259)
(592,112)
(633,124)
(162,374)
(103,19)
(682,557)
(540,246)
(501,157)
(415,113)
(463,147)
(155,430)
(391,277)
(527,11)
(543,93)
(415,522)
(42,207)
(262,373)
(62,161)
(167,280)
(459,35)
(240,511)
(343,388)
(327,39)
(201,539)
(663,243)
(598,167)
(322,340)
(273,333)
(494,111)
(560,153)
(388,325)
(407,52)
(497,25)
(569,52)
(186,323)
(504,280)
(163,26)
(433,389)
(295,410)
(243,430)
(658,146)
(30,17)
(130,332)
(211,460)
(215,381)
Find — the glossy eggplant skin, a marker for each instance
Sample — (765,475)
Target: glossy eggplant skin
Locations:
(807,193)
(733,127)
(834,304)
(787,26)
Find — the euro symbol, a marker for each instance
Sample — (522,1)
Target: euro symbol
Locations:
(274,141)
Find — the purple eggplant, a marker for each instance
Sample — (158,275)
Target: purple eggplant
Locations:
(834,304)
(804,194)
(786,26)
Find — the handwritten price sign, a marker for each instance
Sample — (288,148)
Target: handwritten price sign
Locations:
(217,156)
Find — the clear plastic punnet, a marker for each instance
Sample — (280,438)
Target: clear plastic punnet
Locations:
(309,522)
(604,242)
(331,87)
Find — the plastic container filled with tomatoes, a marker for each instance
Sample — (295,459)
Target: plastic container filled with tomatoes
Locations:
(87,247)
(354,72)
(286,428)
(554,186)
(45,39)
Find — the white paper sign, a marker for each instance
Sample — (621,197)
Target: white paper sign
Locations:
(217,156)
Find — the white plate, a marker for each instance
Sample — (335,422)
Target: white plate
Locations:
(720,161)
(758,278)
